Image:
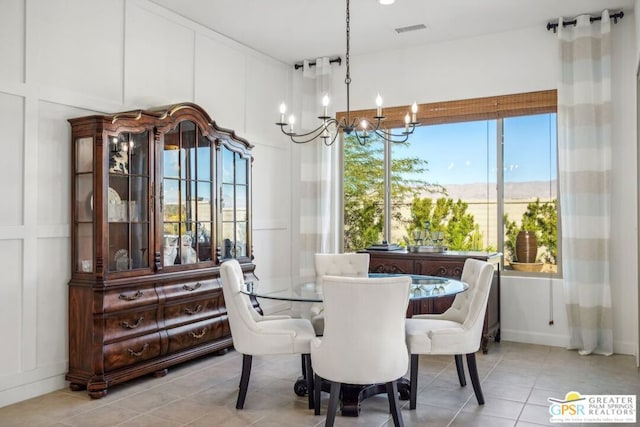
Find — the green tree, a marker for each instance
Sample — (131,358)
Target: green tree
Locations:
(459,227)
(364,190)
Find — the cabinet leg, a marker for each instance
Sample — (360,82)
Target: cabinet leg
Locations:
(161,373)
(97,387)
(98,394)
(77,387)
(484,344)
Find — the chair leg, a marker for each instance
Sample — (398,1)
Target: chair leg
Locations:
(308,374)
(413,379)
(334,399)
(317,388)
(460,369)
(394,403)
(244,380)
(304,369)
(475,380)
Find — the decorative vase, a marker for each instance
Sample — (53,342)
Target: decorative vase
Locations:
(526,246)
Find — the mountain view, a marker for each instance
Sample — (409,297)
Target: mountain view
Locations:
(513,191)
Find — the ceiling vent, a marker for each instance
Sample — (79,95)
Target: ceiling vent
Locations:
(411,28)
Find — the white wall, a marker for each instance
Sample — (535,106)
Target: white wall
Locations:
(636,17)
(515,62)
(108,56)
(637,56)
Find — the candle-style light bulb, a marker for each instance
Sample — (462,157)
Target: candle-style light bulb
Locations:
(283,109)
(414,110)
(379,106)
(407,119)
(364,125)
(292,121)
(325,104)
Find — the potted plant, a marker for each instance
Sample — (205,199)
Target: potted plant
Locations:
(521,246)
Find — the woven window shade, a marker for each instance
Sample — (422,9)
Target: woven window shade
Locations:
(492,107)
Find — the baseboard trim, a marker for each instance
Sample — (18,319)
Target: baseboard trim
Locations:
(534,338)
(552,340)
(30,390)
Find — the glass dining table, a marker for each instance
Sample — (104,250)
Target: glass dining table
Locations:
(304,290)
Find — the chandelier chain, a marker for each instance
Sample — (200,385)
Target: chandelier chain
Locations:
(347,79)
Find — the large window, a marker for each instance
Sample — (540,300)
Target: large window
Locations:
(470,180)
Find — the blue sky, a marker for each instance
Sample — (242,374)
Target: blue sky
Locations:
(462,153)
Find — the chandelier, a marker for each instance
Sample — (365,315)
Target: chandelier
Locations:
(361,128)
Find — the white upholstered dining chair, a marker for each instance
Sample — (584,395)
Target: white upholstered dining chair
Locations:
(347,265)
(262,335)
(457,331)
(364,338)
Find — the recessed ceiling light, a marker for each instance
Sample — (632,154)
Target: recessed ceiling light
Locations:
(386,2)
(410,28)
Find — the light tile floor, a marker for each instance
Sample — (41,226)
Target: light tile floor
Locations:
(516,378)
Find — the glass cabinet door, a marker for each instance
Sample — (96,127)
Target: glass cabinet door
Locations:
(127,202)
(186,201)
(84,177)
(234,204)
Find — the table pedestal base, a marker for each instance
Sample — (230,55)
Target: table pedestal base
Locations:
(351,395)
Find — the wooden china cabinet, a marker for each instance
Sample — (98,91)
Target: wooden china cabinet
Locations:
(160,198)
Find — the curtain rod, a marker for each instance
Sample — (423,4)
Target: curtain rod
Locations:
(554,25)
(312,64)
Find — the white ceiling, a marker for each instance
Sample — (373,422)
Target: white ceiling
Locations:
(293,30)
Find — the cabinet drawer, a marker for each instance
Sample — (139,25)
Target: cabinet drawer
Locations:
(452,269)
(126,299)
(198,333)
(125,324)
(131,351)
(193,310)
(187,289)
(390,265)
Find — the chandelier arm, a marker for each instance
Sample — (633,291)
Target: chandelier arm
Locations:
(331,125)
(333,139)
(331,122)
(389,134)
(393,138)
(361,140)
(328,141)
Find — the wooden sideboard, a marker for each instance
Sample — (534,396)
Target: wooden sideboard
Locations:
(446,264)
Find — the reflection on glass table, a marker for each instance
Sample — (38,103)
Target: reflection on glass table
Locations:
(305,290)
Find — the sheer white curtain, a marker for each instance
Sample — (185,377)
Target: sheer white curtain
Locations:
(584,157)
(318,184)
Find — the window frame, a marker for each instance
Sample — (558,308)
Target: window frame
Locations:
(472,109)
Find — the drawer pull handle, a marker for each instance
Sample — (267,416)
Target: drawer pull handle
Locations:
(191,312)
(127,325)
(200,335)
(133,297)
(192,288)
(138,353)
